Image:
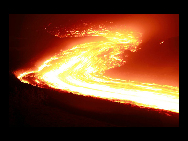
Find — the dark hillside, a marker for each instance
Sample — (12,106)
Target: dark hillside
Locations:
(42,107)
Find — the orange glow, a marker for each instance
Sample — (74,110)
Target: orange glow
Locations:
(80,70)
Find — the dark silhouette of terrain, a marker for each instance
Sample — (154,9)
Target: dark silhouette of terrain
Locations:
(44,107)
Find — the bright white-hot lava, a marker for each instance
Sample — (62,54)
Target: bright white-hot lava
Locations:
(81,70)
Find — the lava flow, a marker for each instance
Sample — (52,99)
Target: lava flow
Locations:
(81,69)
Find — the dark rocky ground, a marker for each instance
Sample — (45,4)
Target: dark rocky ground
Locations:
(31,106)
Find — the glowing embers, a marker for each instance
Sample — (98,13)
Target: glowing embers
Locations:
(161,42)
(80,70)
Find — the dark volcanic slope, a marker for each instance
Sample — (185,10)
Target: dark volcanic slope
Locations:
(33,106)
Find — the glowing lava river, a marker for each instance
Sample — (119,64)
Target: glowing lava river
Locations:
(81,69)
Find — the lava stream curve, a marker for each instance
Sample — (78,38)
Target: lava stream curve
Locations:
(81,70)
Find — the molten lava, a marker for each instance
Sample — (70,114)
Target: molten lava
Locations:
(81,70)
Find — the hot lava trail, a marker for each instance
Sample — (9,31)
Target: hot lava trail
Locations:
(81,70)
